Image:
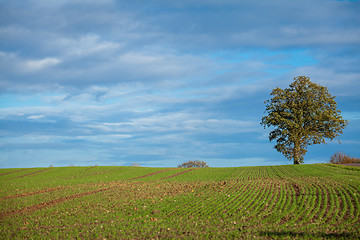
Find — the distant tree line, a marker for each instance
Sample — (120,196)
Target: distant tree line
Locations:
(341,158)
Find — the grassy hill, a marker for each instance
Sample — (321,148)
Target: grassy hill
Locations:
(291,201)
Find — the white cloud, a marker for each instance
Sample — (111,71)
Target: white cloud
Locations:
(154,66)
(339,83)
(109,138)
(178,122)
(36,65)
(85,45)
(174,84)
(35,117)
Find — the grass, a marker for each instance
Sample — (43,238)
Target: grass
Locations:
(290,201)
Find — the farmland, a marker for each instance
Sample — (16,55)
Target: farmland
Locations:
(290,201)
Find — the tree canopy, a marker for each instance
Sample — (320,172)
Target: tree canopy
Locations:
(302,115)
(196,164)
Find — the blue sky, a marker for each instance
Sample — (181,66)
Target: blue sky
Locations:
(159,83)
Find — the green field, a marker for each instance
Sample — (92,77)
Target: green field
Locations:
(290,201)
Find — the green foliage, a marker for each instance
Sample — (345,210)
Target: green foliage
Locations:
(191,164)
(303,114)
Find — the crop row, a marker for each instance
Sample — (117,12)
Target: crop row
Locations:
(313,201)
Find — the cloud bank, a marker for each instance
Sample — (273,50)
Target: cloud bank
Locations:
(160,83)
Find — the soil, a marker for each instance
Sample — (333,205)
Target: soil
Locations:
(296,188)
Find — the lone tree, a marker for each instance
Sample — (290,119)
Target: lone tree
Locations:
(303,114)
(196,164)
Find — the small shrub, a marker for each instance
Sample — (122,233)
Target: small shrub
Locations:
(341,158)
(196,163)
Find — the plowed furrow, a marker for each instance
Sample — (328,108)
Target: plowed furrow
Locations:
(33,193)
(317,213)
(15,171)
(177,174)
(89,168)
(270,203)
(227,198)
(150,174)
(335,205)
(264,198)
(29,174)
(51,203)
(356,202)
(311,206)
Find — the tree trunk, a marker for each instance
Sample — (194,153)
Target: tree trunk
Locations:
(296,153)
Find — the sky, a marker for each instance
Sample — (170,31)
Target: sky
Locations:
(159,83)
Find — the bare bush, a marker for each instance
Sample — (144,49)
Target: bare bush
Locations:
(196,163)
(341,158)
